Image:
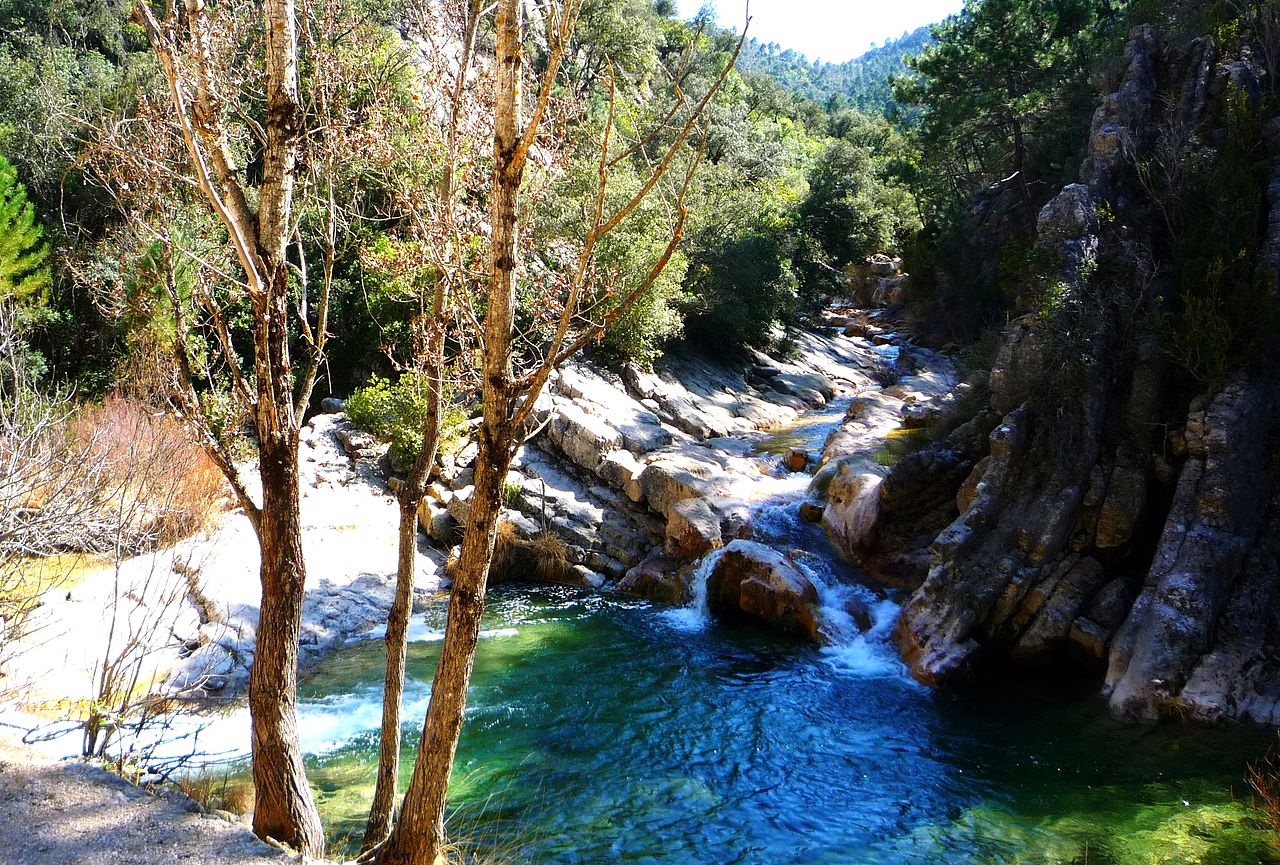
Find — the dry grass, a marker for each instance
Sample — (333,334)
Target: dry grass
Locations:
(541,559)
(218,791)
(1264,778)
(161,484)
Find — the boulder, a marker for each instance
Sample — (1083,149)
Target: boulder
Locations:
(693,529)
(755,581)
(796,460)
(1020,363)
(621,470)
(811,388)
(853,507)
(674,478)
(657,578)
(735,521)
(581,436)
(1122,508)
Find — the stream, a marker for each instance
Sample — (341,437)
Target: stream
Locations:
(599,732)
(603,729)
(606,729)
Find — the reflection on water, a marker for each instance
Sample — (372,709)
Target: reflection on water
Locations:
(808,432)
(599,732)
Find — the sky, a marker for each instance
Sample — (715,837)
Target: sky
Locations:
(831,30)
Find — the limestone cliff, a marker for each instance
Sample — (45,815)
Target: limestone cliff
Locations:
(1120,518)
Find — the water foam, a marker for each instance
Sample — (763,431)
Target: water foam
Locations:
(696,615)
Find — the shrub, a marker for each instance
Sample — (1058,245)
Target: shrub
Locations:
(395,413)
(160,485)
(744,287)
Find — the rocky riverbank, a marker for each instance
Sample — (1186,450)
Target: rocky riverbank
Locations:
(639,475)
(643,475)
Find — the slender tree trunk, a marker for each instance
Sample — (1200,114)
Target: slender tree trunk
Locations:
(418,837)
(380,812)
(411,496)
(410,500)
(284,808)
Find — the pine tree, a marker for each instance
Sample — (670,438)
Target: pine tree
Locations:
(24,276)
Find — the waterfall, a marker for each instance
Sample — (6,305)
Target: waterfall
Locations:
(848,648)
(695,616)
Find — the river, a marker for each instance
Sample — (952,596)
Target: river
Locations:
(600,731)
(605,729)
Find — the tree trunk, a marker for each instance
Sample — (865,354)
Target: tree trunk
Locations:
(284,808)
(418,837)
(384,792)
(410,499)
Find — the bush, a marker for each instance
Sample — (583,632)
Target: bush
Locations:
(395,413)
(160,484)
(744,286)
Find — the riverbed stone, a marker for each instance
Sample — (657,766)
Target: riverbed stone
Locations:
(693,529)
(658,578)
(758,582)
(796,460)
(673,478)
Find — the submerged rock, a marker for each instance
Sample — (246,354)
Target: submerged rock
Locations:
(658,578)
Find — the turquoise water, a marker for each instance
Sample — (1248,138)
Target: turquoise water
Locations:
(599,731)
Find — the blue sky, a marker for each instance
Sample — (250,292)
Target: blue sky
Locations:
(833,30)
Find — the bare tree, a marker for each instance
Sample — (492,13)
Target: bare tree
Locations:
(509,395)
(197,148)
(438,226)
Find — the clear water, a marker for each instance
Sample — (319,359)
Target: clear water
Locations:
(600,731)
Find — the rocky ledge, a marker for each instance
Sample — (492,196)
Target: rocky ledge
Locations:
(1096,513)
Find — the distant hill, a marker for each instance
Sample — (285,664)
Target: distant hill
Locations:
(862,82)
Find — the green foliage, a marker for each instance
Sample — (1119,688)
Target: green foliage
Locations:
(1005,92)
(746,285)
(863,83)
(1226,311)
(395,412)
(855,206)
(24,274)
(512,493)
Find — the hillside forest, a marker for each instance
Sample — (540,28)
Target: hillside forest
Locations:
(1040,237)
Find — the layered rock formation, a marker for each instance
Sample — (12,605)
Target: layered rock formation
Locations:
(1109,521)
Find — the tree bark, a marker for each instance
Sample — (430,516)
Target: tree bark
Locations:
(410,500)
(411,495)
(284,808)
(384,791)
(418,837)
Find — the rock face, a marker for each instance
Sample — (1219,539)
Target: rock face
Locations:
(760,583)
(1201,637)
(1101,517)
